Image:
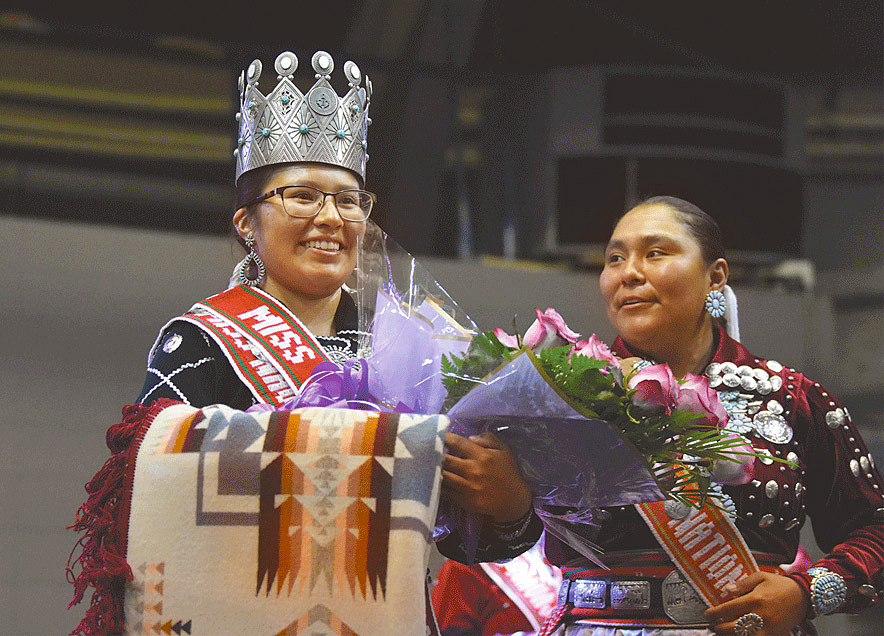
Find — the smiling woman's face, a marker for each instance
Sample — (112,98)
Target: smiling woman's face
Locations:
(655,280)
(310,258)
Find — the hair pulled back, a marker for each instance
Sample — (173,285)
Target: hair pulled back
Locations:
(702,227)
(250,186)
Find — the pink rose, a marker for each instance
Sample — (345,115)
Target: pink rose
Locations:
(505,339)
(656,389)
(739,469)
(594,348)
(549,330)
(695,395)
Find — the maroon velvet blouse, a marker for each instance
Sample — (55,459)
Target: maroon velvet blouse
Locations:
(835,483)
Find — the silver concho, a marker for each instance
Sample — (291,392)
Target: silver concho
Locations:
(680,602)
(771,489)
(322,100)
(764,456)
(748,382)
(172,342)
(775,407)
(772,427)
(731,380)
(871,461)
(799,488)
(854,468)
(728,367)
(713,369)
(254,70)
(774,366)
(764,387)
(715,381)
(776,383)
(588,593)
(630,595)
(766,521)
(793,457)
(564,588)
(864,462)
(322,63)
(338,356)
(676,509)
(761,374)
(835,418)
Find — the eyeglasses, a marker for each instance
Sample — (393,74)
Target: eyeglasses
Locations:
(305,202)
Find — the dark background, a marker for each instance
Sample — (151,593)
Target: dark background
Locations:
(725,104)
(507,137)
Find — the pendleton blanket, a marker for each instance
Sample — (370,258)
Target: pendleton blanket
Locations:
(314,521)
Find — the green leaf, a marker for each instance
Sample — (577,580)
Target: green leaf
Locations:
(462,373)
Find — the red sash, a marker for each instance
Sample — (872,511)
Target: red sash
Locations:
(270,350)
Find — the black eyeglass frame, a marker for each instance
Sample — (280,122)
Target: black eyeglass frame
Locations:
(281,189)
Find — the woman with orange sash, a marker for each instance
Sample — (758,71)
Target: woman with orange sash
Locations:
(664,287)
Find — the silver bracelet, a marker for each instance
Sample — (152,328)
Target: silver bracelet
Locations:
(513,530)
(827,590)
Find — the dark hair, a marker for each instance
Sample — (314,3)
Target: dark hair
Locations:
(249,186)
(702,227)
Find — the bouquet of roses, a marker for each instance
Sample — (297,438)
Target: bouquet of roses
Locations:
(586,434)
(676,426)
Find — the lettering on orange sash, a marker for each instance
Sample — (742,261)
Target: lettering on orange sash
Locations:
(705,545)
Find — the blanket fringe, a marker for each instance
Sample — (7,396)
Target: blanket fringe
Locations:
(102,558)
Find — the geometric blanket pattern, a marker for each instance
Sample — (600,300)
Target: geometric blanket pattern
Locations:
(314,521)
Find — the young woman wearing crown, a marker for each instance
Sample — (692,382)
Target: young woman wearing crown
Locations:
(301,212)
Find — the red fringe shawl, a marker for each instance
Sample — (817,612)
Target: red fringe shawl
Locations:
(104,521)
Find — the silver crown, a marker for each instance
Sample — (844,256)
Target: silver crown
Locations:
(288,125)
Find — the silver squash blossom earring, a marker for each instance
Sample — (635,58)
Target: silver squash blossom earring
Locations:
(246,265)
(716,303)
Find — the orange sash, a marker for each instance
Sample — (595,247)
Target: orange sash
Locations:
(704,544)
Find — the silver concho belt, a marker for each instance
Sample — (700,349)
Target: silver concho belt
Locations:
(672,596)
(681,603)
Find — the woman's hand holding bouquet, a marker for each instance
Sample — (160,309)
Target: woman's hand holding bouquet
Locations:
(677,426)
